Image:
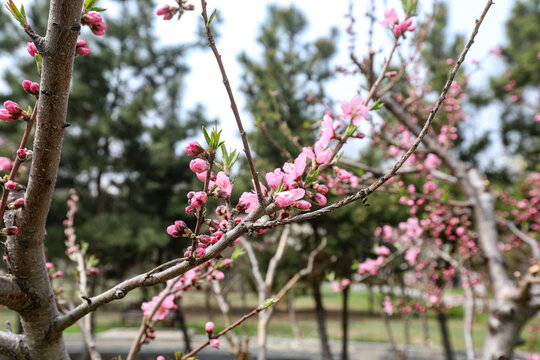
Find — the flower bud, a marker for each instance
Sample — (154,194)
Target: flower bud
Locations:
(32,49)
(81,48)
(17,204)
(195,149)
(198,166)
(209,328)
(214,343)
(10,185)
(31,87)
(9,231)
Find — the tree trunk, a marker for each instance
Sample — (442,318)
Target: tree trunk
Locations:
(25,251)
(292,316)
(345,324)
(182,325)
(321,322)
(425,328)
(262,336)
(445,336)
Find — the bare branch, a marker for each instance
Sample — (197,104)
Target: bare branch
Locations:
(521,235)
(212,44)
(255,270)
(12,345)
(274,261)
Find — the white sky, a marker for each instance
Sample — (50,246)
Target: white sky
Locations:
(241,20)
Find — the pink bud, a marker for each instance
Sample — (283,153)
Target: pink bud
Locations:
(302,205)
(93,17)
(195,149)
(9,231)
(209,327)
(81,48)
(5,164)
(200,252)
(49,265)
(218,275)
(214,343)
(318,199)
(12,107)
(32,49)
(198,166)
(17,204)
(10,185)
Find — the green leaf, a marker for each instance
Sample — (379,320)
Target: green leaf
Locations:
(211,18)
(377,106)
(237,253)
(206,136)
(351,129)
(23,13)
(99,9)
(89,4)
(312,176)
(269,302)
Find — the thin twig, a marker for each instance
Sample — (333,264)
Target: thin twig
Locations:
(212,44)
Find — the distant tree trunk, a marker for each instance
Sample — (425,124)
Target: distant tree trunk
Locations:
(321,322)
(292,316)
(182,325)
(371,299)
(262,336)
(345,324)
(445,336)
(425,328)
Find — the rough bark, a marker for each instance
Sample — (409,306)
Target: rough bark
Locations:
(25,251)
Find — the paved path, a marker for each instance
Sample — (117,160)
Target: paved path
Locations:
(117,341)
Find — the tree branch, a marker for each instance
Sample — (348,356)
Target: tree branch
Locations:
(11,345)
(212,44)
(11,295)
(522,236)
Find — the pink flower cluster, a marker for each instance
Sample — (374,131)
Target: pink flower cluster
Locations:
(163,310)
(179,229)
(94,20)
(391,20)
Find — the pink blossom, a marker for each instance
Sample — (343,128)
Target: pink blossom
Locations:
(382,251)
(322,154)
(327,131)
(495,51)
(345,283)
(160,357)
(275,178)
(388,308)
(405,25)
(12,107)
(393,150)
(354,110)
(429,187)
(49,265)
(214,343)
(370,266)
(5,164)
(248,201)
(224,186)
(537,118)
(308,152)
(93,17)
(94,20)
(198,166)
(449,61)
(219,275)
(343,174)
(390,18)
(198,199)
(32,49)
(179,229)
(163,310)
(287,198)
(411,255)
(432,161)
(209,327)
(533,356)
(200,252)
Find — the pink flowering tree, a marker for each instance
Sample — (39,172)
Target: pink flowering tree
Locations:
(293,192)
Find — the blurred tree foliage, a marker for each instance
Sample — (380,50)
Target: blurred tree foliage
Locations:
(122,149)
